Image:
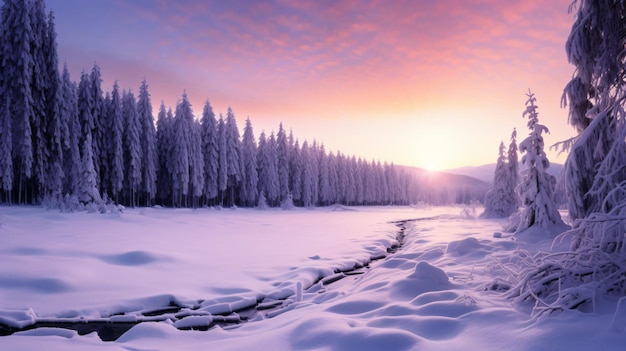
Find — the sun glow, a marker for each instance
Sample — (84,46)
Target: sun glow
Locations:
(431,166)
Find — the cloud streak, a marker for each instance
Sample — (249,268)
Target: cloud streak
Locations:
(328,59)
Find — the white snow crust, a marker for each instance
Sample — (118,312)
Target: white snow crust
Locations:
(429,295)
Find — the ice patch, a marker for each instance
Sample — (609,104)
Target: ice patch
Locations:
(17,318)
(41,332)
(194,322)
(132,258)
(37,285)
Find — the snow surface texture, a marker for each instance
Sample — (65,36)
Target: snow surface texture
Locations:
(429,295)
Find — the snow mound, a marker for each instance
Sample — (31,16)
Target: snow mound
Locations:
(424,278)
(467,246)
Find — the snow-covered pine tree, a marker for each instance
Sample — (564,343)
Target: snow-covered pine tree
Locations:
(99,126)
(16,74)
(333,178)
(222,162)
(54,125)
(381,185)
(132,148)
(595,46)
(267,161)
(39,84)
(164,140)
(180,151)
(196,163)
(513,165)
(537,187)
(148,144)
(496,199)
(314,171)
(296,168)
(87,190)
(68,109)
(325,193)
(393,183)
(115,139)
(105,164)
(210,151)
(233,155)
(6,140)
(249,184)
(369,183)
(309,178)
(6,162)
(282,154)
(347,179)
(85,103)
(359,176)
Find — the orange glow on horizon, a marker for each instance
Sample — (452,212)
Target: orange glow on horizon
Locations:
(419,83)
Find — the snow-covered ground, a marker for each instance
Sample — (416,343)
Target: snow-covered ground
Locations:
(429,295)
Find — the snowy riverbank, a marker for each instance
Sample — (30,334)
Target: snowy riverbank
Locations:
(430,295)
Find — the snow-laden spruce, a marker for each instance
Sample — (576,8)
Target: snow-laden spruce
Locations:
(502,200)
(592,269)
(537,187)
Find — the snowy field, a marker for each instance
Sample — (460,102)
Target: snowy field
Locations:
(428,295)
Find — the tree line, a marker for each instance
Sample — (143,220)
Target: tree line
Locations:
(64,143)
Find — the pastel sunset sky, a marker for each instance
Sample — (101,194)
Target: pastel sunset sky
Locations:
(434,84)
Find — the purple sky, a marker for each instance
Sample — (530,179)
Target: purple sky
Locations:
(418,82)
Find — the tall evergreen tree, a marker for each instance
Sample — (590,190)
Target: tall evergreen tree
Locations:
(182,152)
(164,141)
(148,143)
(309,175)
(115,140)
(85,103)
(17,70)
(68,110)
(222,170)
(296,166)
(267,161)
(250,174)
(325,192)
(6,162)
(87,188)
(359,178)
(54,124)
(333,178)
(97,114)
(196,163)
(39,84)
(513,165)
(496,201)
(132,148)
(595,47)
(233,154)
(210,151)
(347,179)
(282,153)
(537,187)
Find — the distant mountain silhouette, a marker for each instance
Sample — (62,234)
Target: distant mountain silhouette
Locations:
(447,187)
(485,172)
